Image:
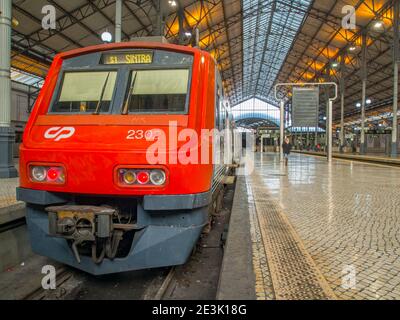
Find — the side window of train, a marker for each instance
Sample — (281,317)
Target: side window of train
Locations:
(217,108)
(222,116)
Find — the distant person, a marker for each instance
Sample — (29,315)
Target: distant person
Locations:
(286,147)
(353,147)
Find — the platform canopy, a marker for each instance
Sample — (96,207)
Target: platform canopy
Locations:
(256,43)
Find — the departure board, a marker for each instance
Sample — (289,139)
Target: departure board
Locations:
(305,105)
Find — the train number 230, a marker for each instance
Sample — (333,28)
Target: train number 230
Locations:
(139,135)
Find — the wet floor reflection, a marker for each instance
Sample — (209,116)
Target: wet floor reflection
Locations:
(347,213)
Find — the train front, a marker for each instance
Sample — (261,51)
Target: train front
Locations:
(106,164)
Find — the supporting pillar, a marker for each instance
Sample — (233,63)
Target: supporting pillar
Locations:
(316,130)
(7,134)
(316,137)
(118,21)
(364,90)
(262,144)
(181,19)
(396,60)
(342,92)
(282,128)
(159,29)
(329,130)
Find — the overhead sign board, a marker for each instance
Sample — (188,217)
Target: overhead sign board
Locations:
(305,105)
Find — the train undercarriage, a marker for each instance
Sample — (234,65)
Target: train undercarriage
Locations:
(103,235)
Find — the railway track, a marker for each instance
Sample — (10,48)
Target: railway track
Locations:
(162,288)
(65,275)
(39,293)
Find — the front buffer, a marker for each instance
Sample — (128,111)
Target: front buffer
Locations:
(100,239)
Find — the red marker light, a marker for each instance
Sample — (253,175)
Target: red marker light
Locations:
(143,177)
(53,174)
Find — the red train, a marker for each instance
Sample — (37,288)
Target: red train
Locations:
(108,161)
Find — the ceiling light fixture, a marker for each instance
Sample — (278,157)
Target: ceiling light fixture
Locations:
(378,24)
(352,48)
(106,36)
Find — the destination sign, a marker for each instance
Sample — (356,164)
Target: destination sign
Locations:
(128,58)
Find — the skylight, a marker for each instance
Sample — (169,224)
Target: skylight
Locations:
(269,29)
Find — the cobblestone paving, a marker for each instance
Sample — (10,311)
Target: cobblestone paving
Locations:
(7,191)
(348,217)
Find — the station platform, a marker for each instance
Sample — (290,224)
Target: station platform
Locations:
(314,230)
(8,192)
(10,208)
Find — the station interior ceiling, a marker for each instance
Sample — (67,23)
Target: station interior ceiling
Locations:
(256,43)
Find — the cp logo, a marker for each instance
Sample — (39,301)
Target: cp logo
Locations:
(58,133)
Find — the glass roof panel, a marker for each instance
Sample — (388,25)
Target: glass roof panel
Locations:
(267,38)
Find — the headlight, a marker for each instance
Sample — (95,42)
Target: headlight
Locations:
(39,173)
(47,174)
(157,177)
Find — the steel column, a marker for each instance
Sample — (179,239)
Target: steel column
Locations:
(282,128)
(7,134)
(342,95)
(5,63)
(396,58)
(316,130)
(181,19)
(118,21)
(364,90)
(329,129)
(159,29)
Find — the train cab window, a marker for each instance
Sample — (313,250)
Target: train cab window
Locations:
(86,92)
(157,91)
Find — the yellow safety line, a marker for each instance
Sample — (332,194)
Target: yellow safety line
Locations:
(353,160)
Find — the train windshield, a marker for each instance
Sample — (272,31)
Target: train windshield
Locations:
(157,91)
(86,92)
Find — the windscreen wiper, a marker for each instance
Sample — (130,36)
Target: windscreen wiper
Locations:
(97,111)
(125,111)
